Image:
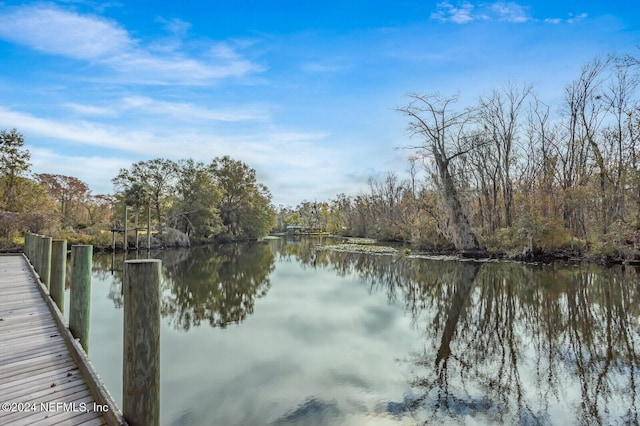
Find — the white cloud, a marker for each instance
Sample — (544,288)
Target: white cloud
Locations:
(57,31)
(465,12)
(175,26)
(52,30)
(176,111)
(509,12)
(572,19)
(78,132)
(577,18)
(96,172)
(90,110)
(190,112)
(302,154)
(461,14)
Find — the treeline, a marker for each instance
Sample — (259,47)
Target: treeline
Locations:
(220,200)
(217,201)
(508,171)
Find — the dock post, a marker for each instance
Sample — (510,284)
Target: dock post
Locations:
(26,244)
(36,253)
(45,275)
(30,247)
(141,348)
(80,293)
(125,239)
(148,228)
(58,272)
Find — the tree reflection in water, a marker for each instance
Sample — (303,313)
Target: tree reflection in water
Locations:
(506,342)
(502,342)
(217,285)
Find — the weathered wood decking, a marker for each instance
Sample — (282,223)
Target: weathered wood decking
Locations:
(45,377)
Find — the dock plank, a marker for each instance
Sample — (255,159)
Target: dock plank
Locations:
(39,362)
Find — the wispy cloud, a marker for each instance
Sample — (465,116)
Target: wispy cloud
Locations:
(79,132)
(175,111)
(175,26)
(324,67)
(56,31)
(460,14)
(572,19)
(90,110)
(465,12)
(97,171)
(509,12)
(302,154)
(190,112)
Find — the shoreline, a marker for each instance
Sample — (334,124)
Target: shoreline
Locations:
(395,248)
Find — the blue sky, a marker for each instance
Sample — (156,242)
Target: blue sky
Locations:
(304,92)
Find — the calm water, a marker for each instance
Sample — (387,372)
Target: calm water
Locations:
(283,334)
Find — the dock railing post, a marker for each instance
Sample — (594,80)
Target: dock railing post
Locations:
(58,272)
(30,247)
(80,293)
(37,253)
(141,348)
(148,227)
(125,238)
(45,275)
(26,245)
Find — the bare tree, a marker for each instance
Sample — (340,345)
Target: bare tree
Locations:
(499,113)
(618,140)
(585,112)
(443,138)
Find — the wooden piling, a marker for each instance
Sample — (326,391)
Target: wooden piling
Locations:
(58,272)
(141,349)
(125,238)
(80,293)
(148,227)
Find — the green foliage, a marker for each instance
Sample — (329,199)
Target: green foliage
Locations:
(92,236)
(222,200)
(221,290)
(146,182)
(14,163)
(245,204)
(195,210)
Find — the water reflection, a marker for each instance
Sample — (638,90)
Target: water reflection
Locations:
(510,343)
(217,285)
(498,342)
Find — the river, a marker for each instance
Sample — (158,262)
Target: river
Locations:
(279,333)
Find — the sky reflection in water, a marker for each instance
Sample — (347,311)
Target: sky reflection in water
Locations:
(282,334)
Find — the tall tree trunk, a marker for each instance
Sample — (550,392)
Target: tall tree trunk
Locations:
(457,225)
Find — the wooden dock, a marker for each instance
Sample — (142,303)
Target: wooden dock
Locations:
(45,376)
